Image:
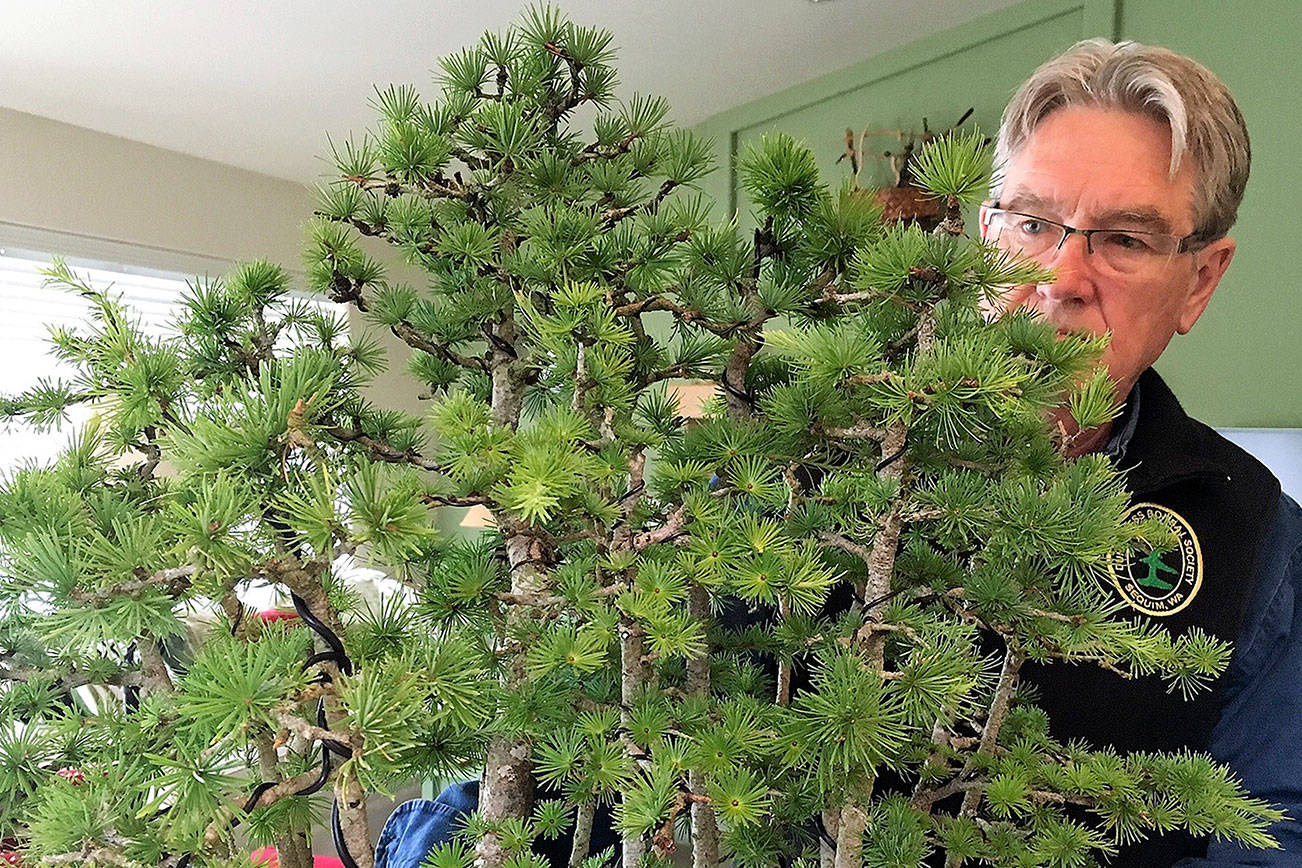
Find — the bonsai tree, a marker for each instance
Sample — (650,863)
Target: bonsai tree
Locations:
(792,629)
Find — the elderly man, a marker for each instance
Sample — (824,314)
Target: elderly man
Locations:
(1122,168)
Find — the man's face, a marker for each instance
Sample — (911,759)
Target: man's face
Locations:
(1099,168)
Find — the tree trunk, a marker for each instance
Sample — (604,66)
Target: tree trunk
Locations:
(849,837)
(293,850)
(785,661)
(582,843)
(633,678)
(831,825)
(506,791)
(705,826)
(153,669)
(351,801)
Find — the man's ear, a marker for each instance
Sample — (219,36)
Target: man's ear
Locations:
(981,219)
(1210,263)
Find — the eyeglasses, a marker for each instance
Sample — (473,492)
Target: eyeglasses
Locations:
(1123,251)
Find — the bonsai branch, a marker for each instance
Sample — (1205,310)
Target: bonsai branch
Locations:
(381,450)
(174,582)
(413,338)
(683,314)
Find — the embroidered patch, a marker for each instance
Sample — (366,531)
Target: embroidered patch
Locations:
(1160,583)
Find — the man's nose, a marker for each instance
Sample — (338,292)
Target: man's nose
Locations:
(1074,266)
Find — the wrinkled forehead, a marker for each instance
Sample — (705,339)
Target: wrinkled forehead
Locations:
(1092,167)
(1152,217)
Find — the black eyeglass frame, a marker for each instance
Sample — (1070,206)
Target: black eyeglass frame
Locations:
(1186,243)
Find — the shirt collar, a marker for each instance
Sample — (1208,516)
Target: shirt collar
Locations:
(1123,427)
(1155,444)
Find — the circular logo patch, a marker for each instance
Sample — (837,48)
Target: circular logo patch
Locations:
(1160,583)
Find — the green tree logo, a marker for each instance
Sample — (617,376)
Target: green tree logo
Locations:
(1155,565)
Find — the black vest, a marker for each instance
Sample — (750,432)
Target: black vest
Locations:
(1229,500)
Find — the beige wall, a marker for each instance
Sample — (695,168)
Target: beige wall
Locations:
(100,192)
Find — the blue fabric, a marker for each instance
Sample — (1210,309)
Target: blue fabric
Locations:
(415,827)
(1259,733)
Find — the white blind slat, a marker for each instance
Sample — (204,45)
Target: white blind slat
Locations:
(28,311)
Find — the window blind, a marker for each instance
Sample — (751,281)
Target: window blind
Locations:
(28,311)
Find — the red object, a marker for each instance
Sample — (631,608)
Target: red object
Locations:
(268,857)
(271,616)
(74,776)
(11,857)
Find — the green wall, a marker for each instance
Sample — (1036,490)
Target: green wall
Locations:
(1236,367)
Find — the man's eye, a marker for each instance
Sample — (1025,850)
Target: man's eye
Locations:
(1030,227)
(1126,241)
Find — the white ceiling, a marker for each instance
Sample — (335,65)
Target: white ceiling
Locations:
(259,83)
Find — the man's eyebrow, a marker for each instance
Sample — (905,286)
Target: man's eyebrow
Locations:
(1031,203)
(1135,218)
(1144,218)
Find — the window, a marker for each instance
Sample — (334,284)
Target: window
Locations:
(26,313)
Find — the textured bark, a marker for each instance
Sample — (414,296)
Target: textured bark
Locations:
(506,404)
(953,222)
(582,841)
(734,379)
(826,852)
(705,826)
(304,578)
(352,818)
(886,544)
(740,403)
(785,662)
(633,678)
(881,567)
(849,837)
(999,706)
(580,378)
(293,849)
(153,669)
(508,391)
(506,789)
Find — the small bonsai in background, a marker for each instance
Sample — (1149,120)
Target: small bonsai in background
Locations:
(906,199)
(789,633)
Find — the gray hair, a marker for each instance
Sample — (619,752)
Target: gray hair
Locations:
(1195,105)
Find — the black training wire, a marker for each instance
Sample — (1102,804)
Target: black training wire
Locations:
(337,833)
(885,598)
(324,776)
(825,835)
(321,657)
(254,796)
(131,693)
(340,658)
(327,635)
(743,394)
(337,747)
(887,462)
